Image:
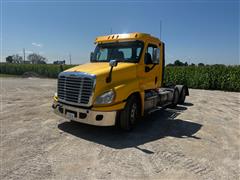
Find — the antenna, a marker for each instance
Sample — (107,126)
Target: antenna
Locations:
(160,29)
(111,31)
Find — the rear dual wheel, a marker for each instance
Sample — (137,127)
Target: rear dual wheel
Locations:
(182,95)
(175,98)
(179,98)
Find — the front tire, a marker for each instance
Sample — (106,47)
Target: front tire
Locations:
(130,114)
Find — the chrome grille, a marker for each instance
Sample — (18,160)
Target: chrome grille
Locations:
(75,88)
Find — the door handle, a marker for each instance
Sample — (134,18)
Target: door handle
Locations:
(147,69)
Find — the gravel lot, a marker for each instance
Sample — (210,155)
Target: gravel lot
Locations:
(199,140)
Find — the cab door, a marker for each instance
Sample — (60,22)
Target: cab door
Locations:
(149,70)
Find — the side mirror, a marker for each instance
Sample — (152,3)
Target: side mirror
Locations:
(92,56)
(156,56)
(113,63)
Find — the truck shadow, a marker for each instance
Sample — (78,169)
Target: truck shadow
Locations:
(158,125)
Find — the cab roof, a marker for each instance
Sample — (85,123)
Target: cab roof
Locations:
(125,36)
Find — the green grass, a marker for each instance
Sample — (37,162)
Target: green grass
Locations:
(8,75)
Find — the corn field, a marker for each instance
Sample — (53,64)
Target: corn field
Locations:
(215,77)
(43,70)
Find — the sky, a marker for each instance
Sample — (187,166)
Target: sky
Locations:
(193,31)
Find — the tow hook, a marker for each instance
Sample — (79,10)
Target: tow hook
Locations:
(54,106)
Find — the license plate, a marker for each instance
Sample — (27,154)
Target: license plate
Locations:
(70,115)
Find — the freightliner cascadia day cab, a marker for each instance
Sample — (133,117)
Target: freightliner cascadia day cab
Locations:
(122,83)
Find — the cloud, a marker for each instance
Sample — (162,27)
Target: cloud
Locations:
(37,44)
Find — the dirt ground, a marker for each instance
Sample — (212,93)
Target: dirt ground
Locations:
(199,140)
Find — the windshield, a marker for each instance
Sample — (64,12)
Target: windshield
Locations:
(120,51)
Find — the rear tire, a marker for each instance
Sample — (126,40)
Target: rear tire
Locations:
(128,117)
(175,98)
(182,96)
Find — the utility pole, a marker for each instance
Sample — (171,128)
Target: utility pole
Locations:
(70,58)
(24,54)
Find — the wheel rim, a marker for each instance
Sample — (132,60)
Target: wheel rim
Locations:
(133,113)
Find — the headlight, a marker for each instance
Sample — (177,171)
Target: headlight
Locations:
(105,98)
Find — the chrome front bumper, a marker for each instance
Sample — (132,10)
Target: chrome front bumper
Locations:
(98,118)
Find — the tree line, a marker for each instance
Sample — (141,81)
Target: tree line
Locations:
(38,59)
(32,58)
(180,63)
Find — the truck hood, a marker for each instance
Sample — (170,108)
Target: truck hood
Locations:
(122,73)
(103,68)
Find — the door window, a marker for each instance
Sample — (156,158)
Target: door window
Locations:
(152,55)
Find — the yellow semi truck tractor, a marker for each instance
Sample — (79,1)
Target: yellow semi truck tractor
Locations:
(122,83)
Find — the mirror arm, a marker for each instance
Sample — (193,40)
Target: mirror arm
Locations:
(152,67)
(112,63)
(109,78)
(147,69)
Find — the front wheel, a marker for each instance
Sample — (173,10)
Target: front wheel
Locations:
(129,115)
